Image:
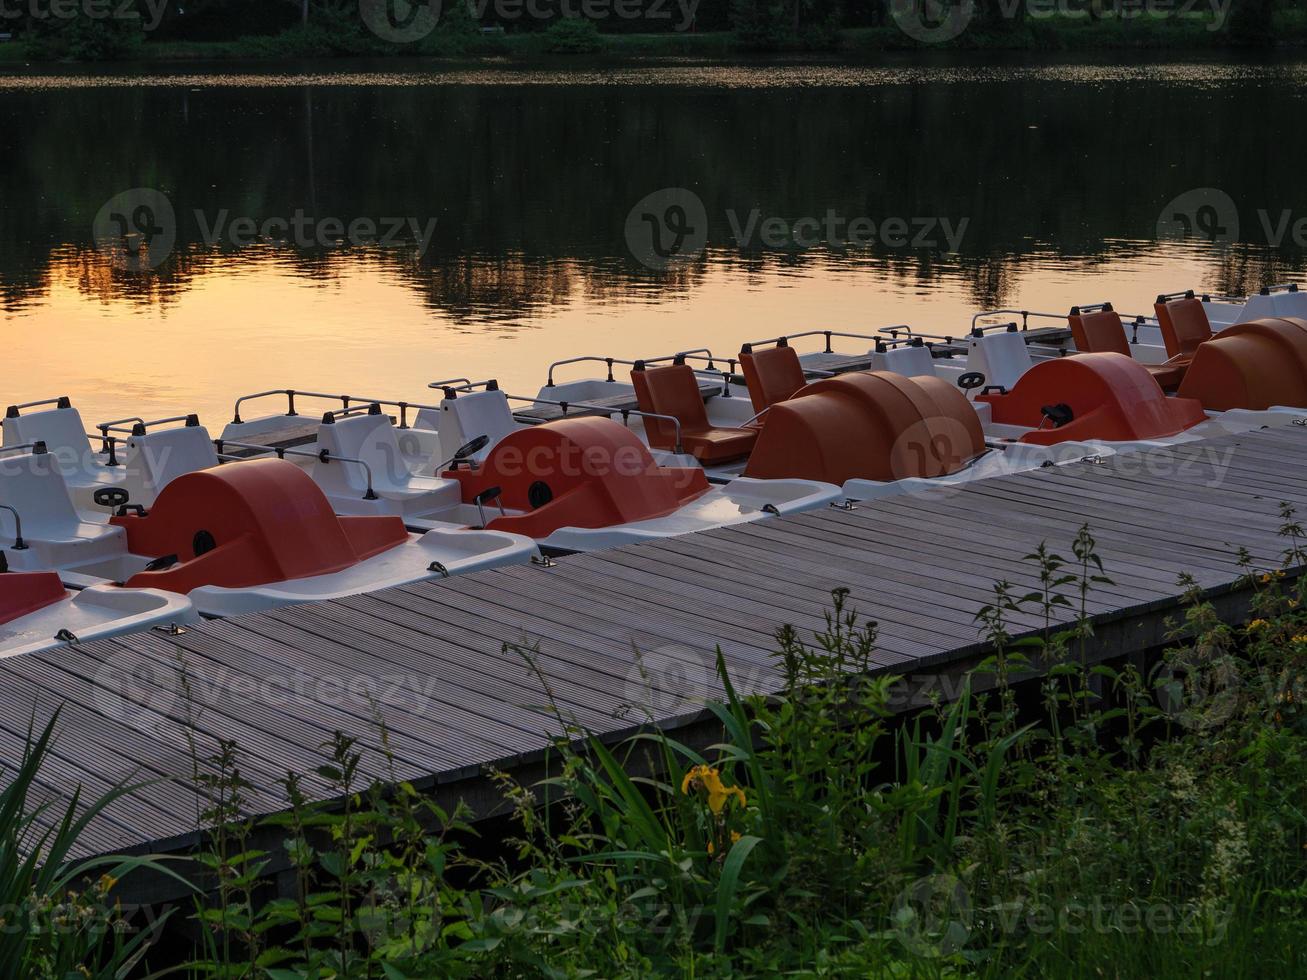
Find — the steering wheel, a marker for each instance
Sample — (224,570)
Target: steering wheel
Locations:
(970,380)
(111,497)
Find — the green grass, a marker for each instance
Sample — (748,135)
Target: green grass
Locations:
(1093,821)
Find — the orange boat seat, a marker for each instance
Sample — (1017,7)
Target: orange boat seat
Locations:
(1102,332)
(1092,396)
(579,472)
(1256,365)
(250,523)
(872,425)
(23,593)
(773,375)
(674,390)
(1184,326)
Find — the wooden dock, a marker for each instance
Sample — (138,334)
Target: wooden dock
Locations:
(623,634)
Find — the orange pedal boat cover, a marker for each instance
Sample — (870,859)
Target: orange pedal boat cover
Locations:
(250,523)
(23,593)
(872,425)
(1092,396)
(581,472)
(1255,365)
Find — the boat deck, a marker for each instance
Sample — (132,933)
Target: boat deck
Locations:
(431,660)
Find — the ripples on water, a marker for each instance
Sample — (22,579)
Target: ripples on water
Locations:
(1061,171)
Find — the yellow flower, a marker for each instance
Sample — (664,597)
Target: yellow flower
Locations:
(1257,624)
(1300,638)
(735,836)
(709,779)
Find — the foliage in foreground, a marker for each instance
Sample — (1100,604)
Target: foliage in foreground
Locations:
(1089,822)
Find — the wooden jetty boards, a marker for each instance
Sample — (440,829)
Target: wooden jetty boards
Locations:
(429,658)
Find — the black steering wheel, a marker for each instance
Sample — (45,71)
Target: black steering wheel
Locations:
(111,497)
(970,380)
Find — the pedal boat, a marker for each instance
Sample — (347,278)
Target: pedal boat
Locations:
(37,613)
(240,537)
(571,484)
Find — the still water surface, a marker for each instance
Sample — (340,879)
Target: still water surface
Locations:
(1032,186)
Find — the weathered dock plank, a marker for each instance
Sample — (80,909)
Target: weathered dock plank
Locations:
(439,662)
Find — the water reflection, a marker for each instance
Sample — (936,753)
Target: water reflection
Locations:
(1055,175)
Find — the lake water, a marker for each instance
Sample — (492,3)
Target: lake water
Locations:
(602,209)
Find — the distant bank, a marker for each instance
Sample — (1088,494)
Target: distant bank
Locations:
(581,37)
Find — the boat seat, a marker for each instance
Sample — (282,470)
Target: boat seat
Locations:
(674,390)
(155,459)
(470,415)
(371,438)
(773,374)
(1184,326)
(1001,357)
(1104,333)
(909,360)
(54,531)
(64,435)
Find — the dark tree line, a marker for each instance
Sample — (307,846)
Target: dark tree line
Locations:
(335,26)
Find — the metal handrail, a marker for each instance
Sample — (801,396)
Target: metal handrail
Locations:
(322,456)
(610,361)
(913,334)
(345,400)
(626,413)
(1024,314)
(19,543)
(63,401)
(827,334)
(1279,287)
(139,425)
